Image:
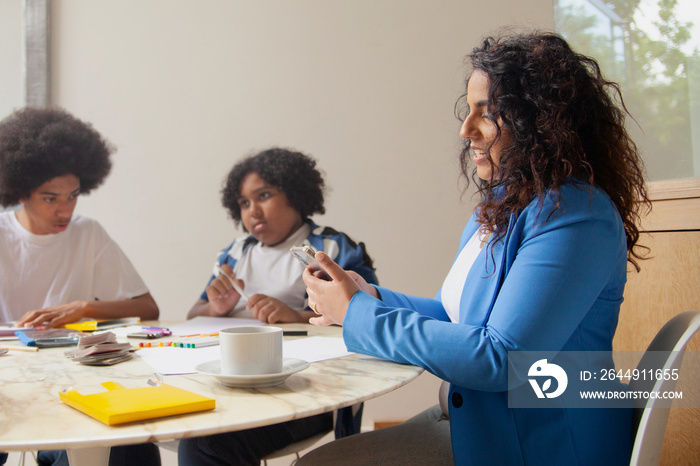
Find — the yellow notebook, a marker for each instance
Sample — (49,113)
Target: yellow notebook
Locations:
(93,325)
(119,405)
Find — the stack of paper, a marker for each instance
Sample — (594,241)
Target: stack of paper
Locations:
(100,350)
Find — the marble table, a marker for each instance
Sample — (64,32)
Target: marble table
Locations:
(33,418)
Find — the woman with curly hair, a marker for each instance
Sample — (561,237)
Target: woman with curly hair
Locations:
(63,267)
(273,194)
(541,267)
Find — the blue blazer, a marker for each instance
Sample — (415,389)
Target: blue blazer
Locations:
(553,283)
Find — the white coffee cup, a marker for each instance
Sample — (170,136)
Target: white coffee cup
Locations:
(251,350)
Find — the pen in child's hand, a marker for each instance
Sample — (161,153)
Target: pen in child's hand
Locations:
(235,286)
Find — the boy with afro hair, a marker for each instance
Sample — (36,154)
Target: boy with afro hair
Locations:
(64,268)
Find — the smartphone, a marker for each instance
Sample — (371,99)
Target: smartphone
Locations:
(306,255)
(56,342)
(49,338)
(146,335)
(150,333)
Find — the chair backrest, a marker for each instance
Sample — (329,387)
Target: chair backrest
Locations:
(665,352)
(296,447)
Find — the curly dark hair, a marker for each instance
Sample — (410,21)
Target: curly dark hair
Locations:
(565,121)
(39,144)
(294,173)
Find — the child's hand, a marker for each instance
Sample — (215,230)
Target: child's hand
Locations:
(271,310)
(53,316)
(222,296)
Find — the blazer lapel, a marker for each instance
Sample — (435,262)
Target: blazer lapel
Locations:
(485,279)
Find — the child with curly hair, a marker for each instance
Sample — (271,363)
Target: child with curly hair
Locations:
(273,194)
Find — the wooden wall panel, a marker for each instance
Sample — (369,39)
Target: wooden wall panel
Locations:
(668,284)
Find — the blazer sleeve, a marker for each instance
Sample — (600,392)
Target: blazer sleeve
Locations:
(431,307)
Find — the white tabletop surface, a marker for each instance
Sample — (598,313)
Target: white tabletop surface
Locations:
(32,417)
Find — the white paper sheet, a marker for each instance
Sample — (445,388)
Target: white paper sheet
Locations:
(314,349)
(171,361)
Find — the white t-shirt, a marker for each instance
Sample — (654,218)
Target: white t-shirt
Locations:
(80,263)
(274,272)
(451,292)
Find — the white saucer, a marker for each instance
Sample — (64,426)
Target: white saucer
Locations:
(289,367)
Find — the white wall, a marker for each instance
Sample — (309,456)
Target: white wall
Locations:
(185,88)
(11,65)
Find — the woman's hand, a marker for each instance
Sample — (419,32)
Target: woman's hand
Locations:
(221,294)
(272,310)
(330,298)
(362,283)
